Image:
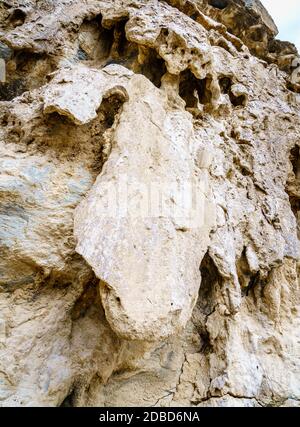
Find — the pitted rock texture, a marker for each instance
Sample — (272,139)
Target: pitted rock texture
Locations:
(150,269)
(198,306)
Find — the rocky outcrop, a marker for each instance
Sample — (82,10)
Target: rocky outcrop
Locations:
(248,20)
(149,205)
(149,269)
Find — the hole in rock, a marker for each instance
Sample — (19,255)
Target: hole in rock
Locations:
(86,300)
(68,402)
(247,279)
(293,184)
(95,42)
(225,86)
(17,18)
(194,91)
(295,160)
(206,346)
(140,60)
(109,109)
(210,281)
(63,140)
(165,32)
(153,67)
(25,71)
(10,90)
(237,101)
(218,4)
(110,46)
(210,278)
(120,47)
(253,281)
(105,45)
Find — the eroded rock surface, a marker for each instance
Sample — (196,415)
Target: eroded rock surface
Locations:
(107,296)
(147,257)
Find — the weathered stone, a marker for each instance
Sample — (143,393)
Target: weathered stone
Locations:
(104,303)
(5,51)
(77,92)
(144,227)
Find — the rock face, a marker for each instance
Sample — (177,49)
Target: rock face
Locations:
(147,256)
(149,205)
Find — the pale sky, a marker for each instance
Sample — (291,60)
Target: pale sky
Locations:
(286,15)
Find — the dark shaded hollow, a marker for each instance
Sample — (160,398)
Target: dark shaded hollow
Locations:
(86,299)
(210,280)
(68,402)
(31,70)
(116,49)
(126,53)
(110,107)
(295,161)
(153,67)
(10,90)
(110,41)
(248,280)
(119,38)
(218,4)
(17,17)
(210,277)
(225,86)
(193,90)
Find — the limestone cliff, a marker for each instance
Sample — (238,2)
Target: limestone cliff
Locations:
(149,205)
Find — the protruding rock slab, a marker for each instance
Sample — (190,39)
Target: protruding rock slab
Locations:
(77,92)
(144,226)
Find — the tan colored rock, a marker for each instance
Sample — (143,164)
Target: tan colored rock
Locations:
(147,219)
(105,307)
(77,93)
